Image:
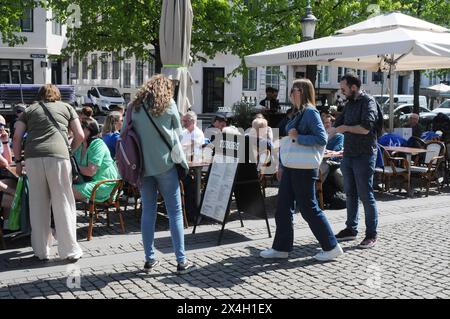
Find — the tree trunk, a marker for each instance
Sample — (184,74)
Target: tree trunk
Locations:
(416,91)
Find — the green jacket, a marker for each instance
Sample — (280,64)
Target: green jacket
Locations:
(158,158)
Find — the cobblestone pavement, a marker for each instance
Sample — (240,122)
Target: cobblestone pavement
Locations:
(411,260)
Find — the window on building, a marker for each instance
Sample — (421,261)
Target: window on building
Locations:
(325,74)
(249,80)
(56,26)
(364,77)
(115,66)
(349,70)
(16,71)
(104,66)
(4,72)
(84,70)
(139,73)
(340,73)
(94,66)
(127,74)
(273,77)
(74,68)
(151,68)
(26,22)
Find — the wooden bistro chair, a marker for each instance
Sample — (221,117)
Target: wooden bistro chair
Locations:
(432,169)
(394,167)
(111,203)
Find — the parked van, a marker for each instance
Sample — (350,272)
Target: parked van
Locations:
(401,99)
(103,98)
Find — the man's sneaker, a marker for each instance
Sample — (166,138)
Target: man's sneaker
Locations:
(149,265)
(329,255)
(184,268)
(346,235)
(272,253)
(368,242)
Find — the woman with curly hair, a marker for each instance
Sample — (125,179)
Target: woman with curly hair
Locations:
(159,172)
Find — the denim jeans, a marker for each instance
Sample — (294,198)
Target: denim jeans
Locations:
(358,183)
(168,185)
(298,185)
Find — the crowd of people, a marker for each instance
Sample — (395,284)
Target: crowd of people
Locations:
(49,132)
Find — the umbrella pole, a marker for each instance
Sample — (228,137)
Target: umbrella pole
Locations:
(391,96)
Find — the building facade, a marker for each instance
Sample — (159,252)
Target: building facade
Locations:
(30,63)
(214,88)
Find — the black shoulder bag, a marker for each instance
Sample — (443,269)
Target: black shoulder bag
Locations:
(76,174)
(182,172)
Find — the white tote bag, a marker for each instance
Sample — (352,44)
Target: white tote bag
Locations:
(294,155)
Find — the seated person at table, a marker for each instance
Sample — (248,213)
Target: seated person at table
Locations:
(413,123)
(264,142)
(8,181)
(192,138)
(218,124)
(118,108)
(442,123)
(262,128)
(86,113)
(332,178)
(111,131)
(335,141)
(95,162)
(270,103)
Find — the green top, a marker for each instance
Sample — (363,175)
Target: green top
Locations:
(98,154)
(157,157)
(43,138)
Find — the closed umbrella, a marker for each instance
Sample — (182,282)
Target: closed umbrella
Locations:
(175,44)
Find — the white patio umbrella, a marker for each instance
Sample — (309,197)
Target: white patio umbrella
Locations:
(439,88)
(390,42)
(175,44)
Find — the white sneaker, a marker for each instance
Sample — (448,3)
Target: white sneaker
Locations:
(329,255)
(272,253)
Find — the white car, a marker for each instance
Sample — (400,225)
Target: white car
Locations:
(403,111)
(443,108)
(103,98)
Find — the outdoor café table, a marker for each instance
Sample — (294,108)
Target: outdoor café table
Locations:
(408,151)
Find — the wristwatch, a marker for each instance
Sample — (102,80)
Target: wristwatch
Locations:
(5,142)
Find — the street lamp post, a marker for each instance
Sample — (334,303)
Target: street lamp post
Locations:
(309,22)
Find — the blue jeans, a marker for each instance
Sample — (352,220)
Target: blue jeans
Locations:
(168,185)
(298,185)
(358,183)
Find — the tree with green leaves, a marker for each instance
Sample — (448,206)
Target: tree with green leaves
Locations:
(11,13)
(239,27)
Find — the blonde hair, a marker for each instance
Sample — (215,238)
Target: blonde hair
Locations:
(191,116)
(259,123)
(49,93)
(155,95)
(110,122)
(307,94)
